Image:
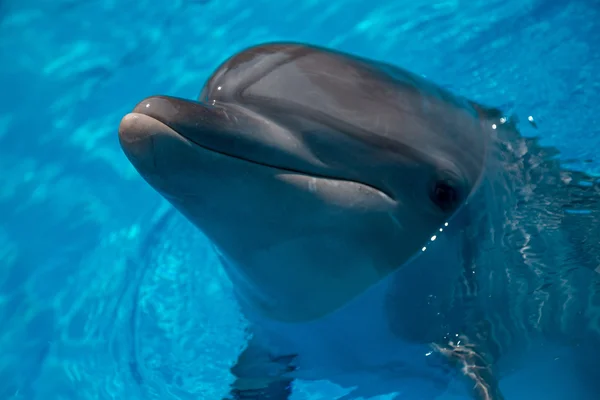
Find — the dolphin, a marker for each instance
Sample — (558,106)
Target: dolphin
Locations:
(380,232)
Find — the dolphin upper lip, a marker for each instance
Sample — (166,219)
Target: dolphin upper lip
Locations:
(187,118)
(209,127)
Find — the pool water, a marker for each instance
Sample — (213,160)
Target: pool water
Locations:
(105,291)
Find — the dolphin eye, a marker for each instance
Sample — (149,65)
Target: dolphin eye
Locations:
(444,195)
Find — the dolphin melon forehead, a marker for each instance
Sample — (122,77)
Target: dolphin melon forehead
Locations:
(300,85)
(304,78)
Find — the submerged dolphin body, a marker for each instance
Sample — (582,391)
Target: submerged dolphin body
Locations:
(375,226)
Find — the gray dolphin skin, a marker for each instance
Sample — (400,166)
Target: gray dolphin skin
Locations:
(379,231)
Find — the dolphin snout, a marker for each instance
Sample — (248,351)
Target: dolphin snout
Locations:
(163,108)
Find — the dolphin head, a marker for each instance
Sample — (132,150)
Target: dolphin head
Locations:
(314,173)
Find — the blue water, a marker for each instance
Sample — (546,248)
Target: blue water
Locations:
(105,292)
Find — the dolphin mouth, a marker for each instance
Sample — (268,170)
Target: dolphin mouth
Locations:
(218,129)
(204,126)
(198,143)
